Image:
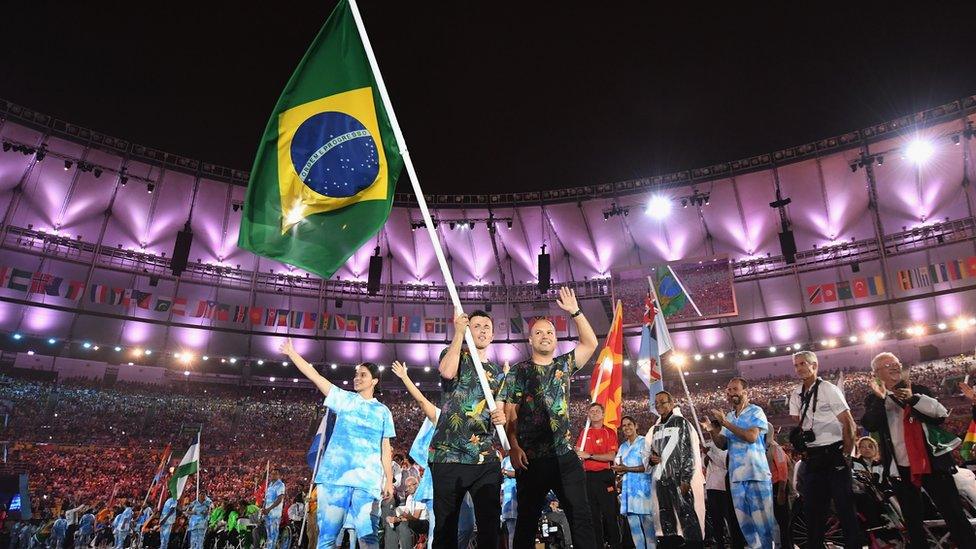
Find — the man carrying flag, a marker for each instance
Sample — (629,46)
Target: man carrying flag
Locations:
(597,445)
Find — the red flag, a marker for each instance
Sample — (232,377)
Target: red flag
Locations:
(606,382)
(829,291)
(971,266)
(860,288)
(256,314)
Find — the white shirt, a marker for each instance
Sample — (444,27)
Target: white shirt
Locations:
(822,420)
(894,414)
(412,506)
(296,511)
(716,472)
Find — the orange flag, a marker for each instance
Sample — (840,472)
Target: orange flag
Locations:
(606,383)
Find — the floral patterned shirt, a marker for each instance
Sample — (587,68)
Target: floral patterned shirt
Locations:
(464,431)
(541,391)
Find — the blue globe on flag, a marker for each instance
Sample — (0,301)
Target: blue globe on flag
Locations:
(334,154)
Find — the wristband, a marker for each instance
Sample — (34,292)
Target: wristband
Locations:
(577,313)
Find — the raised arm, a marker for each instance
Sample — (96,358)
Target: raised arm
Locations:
(324,385)
(587,338)
(400,370)
(448,365)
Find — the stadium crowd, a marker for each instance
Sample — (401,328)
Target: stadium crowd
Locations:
(83,444)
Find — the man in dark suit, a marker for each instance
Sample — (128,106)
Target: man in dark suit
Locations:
(906,417)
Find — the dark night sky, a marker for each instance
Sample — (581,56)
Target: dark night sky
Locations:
(501,96)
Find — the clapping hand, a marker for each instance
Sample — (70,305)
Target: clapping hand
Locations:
(878,388)
(719,416)
(967,391)
(567,300)
(904,394)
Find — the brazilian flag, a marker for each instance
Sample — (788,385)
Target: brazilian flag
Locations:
(670,294)
(326,169)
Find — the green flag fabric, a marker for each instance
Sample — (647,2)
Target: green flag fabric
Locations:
(669,292)
(327,165)
(188,466)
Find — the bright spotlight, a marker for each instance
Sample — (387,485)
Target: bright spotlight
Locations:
(334,366)
(960,324)
(187,358)
(832,343)
(772,349)
(17,336)
(714,371)
(697,357)
(678,359)
(796,346)
(871,338)
(426,368)
(659,207)
(233,360)
(919,151)
(720,355)
(942,326)
(86,345)
(626,362)
(272,379)
(852,339)
(260,362)
(52,341)
(745,352)
(711,357)
(117,348)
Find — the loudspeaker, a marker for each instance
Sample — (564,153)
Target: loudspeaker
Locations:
(788,245)
(375,273)
(181,251)
(544,273)
(855,267)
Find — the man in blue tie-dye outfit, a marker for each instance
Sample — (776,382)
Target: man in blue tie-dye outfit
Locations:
(742,431)
(356,469)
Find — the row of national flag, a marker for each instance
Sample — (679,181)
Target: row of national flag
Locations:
(858,288)
(936,273)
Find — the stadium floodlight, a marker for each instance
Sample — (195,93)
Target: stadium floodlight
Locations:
(659,207)
(919,151)
(233,360)
(17,337)
(772,349)
(745,352)
(626,362)
(714,371)
(272,379)
(679,360)
(942,326)
(823,342)
(698,357)
(720,354)
(86,345)
(960,324)
(334,366)
(852,339)
(260,362)
(52,341)
(426,368)
(118,349)
(711,357)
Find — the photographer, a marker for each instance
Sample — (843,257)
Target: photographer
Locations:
(907,416)
(825,435)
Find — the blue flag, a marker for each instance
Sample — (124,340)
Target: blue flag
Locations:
(654,343)
(322,436)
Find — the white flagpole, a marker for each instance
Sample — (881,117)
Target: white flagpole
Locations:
(422,202)
(681,373)
(199,469)
(586,429)
(311,485)
(682,286)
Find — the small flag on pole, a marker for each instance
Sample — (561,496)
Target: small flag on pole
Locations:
(322,435)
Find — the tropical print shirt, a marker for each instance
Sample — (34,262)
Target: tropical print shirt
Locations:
(541,391)
(464,431)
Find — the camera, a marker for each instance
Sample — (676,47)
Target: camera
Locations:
(800,438)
